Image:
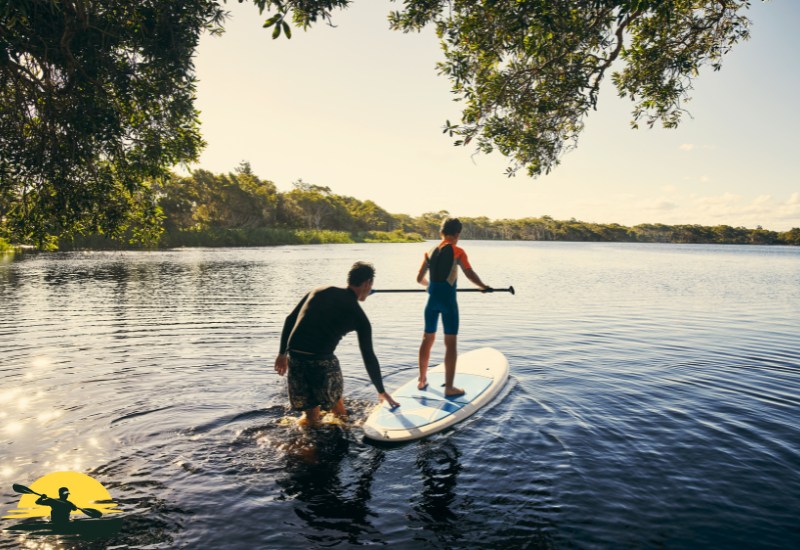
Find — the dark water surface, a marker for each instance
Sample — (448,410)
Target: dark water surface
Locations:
(654,400)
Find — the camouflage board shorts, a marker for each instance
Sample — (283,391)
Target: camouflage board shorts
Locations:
(314,382)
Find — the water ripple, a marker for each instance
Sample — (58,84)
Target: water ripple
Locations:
(653,399)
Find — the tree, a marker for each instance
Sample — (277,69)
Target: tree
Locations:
(312,203)
(96,103)
(790,237)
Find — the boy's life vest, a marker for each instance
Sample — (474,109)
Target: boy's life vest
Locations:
(443,261)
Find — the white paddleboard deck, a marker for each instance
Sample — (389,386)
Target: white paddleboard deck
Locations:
(482,373)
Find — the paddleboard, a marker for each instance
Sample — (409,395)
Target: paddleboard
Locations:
(481,372)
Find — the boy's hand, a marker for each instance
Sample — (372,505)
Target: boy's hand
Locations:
(486,289)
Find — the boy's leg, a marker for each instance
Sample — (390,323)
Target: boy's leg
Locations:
(424,356)
(450,356)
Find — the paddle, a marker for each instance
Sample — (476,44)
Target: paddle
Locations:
(91,512)
(509,289)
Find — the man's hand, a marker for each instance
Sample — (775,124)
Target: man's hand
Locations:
(281,364)
(388,398)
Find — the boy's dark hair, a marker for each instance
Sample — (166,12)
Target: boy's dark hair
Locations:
(451,226)
(360,273)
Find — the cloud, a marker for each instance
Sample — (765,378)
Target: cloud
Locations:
(762,199)
(533,196)
(657,204)
(704,178)
(677,208)
(727,198)
(669,188)
(690,146)
(594,202)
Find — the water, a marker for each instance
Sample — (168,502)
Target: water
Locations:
(653,403)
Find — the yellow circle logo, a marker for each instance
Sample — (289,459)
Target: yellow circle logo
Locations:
(88,496)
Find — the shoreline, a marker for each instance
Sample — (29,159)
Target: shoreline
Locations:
(115,246)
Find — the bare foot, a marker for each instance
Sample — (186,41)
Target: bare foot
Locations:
(423,383)
(306,421)
(454,392)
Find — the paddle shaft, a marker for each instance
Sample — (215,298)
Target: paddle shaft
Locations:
(91,512)
(509,289)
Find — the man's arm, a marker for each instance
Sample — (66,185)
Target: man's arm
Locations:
(364,332)
(281,362)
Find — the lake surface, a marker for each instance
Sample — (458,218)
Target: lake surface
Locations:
(654,399)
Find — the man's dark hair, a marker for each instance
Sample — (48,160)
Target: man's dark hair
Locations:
(360,273)
(451,226)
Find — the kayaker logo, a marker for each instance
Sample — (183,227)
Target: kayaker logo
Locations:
(61,495)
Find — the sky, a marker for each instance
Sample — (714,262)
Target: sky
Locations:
(360,108)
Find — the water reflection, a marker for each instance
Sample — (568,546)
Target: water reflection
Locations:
(630,363)
(333,505)
(440,467)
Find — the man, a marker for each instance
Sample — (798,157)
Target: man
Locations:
(59,508)
(443,262)
(310,336)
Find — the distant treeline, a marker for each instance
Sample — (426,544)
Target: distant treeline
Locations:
(244,201)
(546,228)
(240,209)
(233,237)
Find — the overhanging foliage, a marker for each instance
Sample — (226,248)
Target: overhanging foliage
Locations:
(97,98)
(528,71)
(96,101)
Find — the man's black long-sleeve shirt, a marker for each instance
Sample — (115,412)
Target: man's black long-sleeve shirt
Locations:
(321,319)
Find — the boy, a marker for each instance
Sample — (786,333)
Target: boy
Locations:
(443,262)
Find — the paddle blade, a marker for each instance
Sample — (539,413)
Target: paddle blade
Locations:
(91,512)
(24,490)
(511,290)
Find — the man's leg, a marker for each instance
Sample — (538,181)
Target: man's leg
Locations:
(450,356)
(338,408)
(300,394)
(424,356)
(310,416)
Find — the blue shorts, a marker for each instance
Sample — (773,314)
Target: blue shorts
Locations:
(441,299)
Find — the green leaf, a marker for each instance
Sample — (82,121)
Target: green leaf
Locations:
(277,32)
(286,30)
(272,20)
